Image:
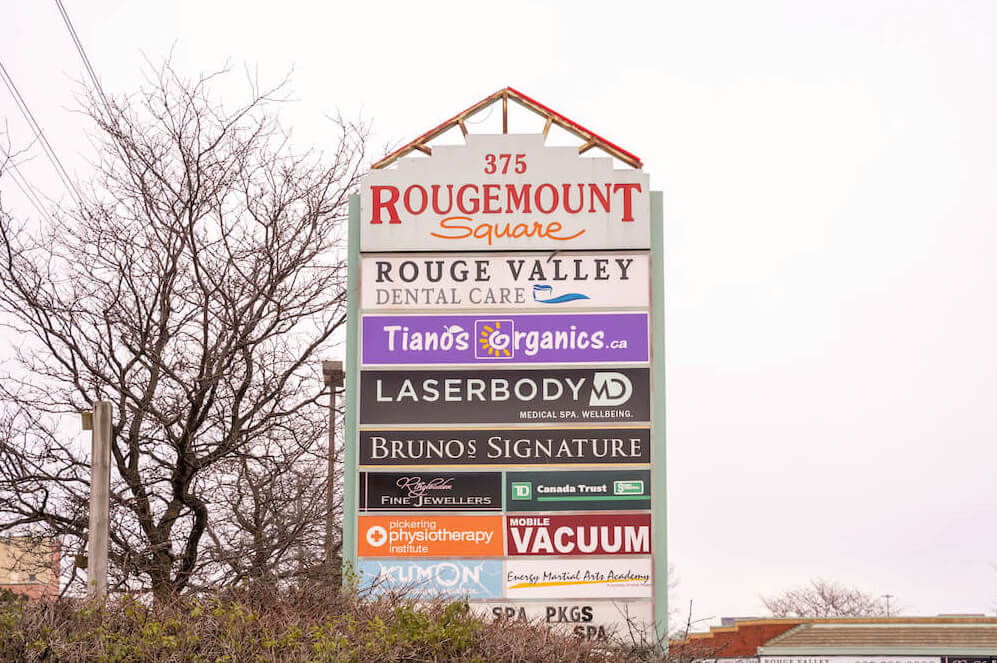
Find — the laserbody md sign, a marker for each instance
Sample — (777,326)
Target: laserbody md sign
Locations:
(505,385)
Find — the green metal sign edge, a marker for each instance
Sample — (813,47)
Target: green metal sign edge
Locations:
(352,364)
(659,513)
(660,502)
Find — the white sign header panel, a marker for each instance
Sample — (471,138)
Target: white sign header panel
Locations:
(588,620)
(541,282)
(504,192)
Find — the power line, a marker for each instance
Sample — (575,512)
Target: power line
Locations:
(82,51)
(36,128)
(22,183)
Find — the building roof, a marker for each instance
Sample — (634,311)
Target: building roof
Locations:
(743,638)
(939,635)
(785,636)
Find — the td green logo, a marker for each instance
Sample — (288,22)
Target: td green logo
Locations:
(522,490)
(632,487)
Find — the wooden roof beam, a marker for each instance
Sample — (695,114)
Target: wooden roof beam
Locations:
(436,131)
(590,138)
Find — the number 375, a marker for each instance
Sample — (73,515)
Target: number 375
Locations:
(496,162)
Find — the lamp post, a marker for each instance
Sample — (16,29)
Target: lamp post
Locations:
(332,376)
(99,421)
(887,597)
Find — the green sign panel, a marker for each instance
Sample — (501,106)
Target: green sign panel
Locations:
(590,490)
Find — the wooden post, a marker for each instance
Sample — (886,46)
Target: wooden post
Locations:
(100,488)
(332,374)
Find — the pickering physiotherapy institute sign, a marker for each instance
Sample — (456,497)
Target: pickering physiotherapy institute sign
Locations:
(503,416)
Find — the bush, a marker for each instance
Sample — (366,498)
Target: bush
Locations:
(259,624)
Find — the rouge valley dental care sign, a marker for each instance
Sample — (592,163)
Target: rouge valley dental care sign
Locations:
(467,269)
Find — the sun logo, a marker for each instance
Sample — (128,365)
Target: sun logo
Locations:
(494,339)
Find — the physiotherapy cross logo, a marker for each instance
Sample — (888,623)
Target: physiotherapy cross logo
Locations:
(494,339)
(377,536)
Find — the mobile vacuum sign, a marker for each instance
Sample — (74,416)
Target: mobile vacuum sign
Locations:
(495,282)
(504,192)
(587,534)
(487,339)
(510,396)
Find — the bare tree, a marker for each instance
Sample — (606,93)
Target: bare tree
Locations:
(193,288)
(825,599)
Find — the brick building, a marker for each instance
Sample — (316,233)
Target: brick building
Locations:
(944,639)
(30,566)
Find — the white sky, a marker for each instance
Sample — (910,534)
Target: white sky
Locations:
(829,175)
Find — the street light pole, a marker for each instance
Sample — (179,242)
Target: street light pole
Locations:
(887,597)
(332,376)
(98,533)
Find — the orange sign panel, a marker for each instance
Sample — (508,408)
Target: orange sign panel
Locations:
(430,536)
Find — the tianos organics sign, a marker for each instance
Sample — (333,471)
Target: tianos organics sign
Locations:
(568,338)
(504,192)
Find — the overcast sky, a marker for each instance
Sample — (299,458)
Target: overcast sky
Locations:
(829,172)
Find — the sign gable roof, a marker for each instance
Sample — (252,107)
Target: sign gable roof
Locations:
(552,117)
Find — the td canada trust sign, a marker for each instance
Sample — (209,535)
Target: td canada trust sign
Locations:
(504,192)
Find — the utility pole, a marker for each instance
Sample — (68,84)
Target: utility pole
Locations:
(333,376)
(100,488)
(887,597)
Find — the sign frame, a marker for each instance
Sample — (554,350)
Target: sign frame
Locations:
(659,557)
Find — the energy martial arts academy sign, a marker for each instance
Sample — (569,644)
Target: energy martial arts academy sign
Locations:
(504,391)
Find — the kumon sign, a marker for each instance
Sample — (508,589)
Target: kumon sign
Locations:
(505,192)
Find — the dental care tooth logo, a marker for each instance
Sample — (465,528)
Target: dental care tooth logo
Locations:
(377,536)
(544,294)
(494,339)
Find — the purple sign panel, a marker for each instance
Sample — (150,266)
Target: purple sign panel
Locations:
(497,339)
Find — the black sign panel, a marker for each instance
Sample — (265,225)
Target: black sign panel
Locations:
(599,490)
(430,491)
(507,396)
(540,446)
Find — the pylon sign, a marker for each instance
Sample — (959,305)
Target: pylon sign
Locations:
(504,427)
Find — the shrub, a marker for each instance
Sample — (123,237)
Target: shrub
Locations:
(259,624)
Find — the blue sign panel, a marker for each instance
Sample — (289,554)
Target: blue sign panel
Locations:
(447,578)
